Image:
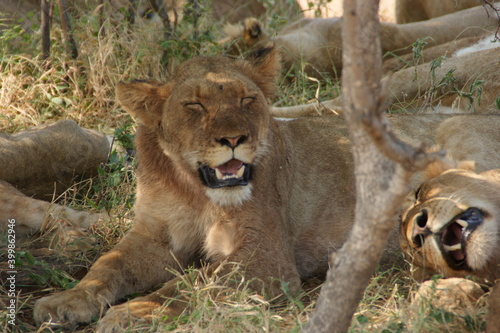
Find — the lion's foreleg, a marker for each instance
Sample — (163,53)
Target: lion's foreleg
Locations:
(138,262)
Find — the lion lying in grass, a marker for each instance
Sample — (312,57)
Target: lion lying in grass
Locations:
(42,163)
(316,44)
(220,180)
(452,228)
(466,83)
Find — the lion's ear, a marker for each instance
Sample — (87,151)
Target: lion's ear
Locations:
(143,100)
(253,31)
(263,67)
(436,168)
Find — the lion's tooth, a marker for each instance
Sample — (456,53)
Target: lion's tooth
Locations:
(240,171)
(462,223)
(455,247)
(219,174)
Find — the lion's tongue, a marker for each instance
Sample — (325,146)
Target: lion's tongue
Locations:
(230,167)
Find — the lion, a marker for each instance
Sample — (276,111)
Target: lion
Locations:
(420,10)
(44,161)
(316,44)
(452,227)
(222,181)
(460,83)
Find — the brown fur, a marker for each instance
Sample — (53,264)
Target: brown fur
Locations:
(441,200)
(317,43)
(420,10)
(29,216)
(297,208)
(415,88)
(44,161)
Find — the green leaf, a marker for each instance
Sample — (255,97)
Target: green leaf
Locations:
(29,258)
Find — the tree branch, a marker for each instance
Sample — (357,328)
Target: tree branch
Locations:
(381,183)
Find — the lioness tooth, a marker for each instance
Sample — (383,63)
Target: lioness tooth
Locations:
(219,174)
(240,171)
(455,247)
(462,223)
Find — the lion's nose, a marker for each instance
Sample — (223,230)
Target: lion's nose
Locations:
(232,142)
(420,229)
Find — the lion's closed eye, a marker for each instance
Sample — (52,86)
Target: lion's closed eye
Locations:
(247,100)
(195,107)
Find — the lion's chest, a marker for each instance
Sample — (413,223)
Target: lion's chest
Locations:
(191,226)
(220,241)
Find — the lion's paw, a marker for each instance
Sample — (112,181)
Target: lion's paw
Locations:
(66,309)
(136,314)
(455,295)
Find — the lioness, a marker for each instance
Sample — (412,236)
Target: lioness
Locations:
(453,226)
(219,179)
(316,44)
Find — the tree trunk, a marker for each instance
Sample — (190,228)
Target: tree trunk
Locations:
(66,28)
(381,183)
(45,9)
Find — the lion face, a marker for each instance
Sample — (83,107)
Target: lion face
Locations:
(212,120)
(452,228)
(225,121)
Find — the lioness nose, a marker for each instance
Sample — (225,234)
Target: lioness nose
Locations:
(232,142)
(420,228)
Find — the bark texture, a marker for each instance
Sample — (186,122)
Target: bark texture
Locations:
(383,167)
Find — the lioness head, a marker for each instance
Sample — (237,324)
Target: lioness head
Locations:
(211,119)
(452,227)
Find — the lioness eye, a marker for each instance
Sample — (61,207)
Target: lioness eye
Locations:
(196,107)
(247,100)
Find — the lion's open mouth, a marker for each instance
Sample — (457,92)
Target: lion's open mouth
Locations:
(455,234)
(231,173)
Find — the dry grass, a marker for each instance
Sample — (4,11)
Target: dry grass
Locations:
(34,92)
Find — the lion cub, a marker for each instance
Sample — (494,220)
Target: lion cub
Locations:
(220,180)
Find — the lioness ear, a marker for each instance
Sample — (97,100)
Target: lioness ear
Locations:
(143,100)
(253,31)
(263,67)
(436,168)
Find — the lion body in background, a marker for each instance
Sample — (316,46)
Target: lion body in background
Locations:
(316,44)
(42,163)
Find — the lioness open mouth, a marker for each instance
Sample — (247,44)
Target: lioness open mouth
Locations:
(455,234)
(231,173)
